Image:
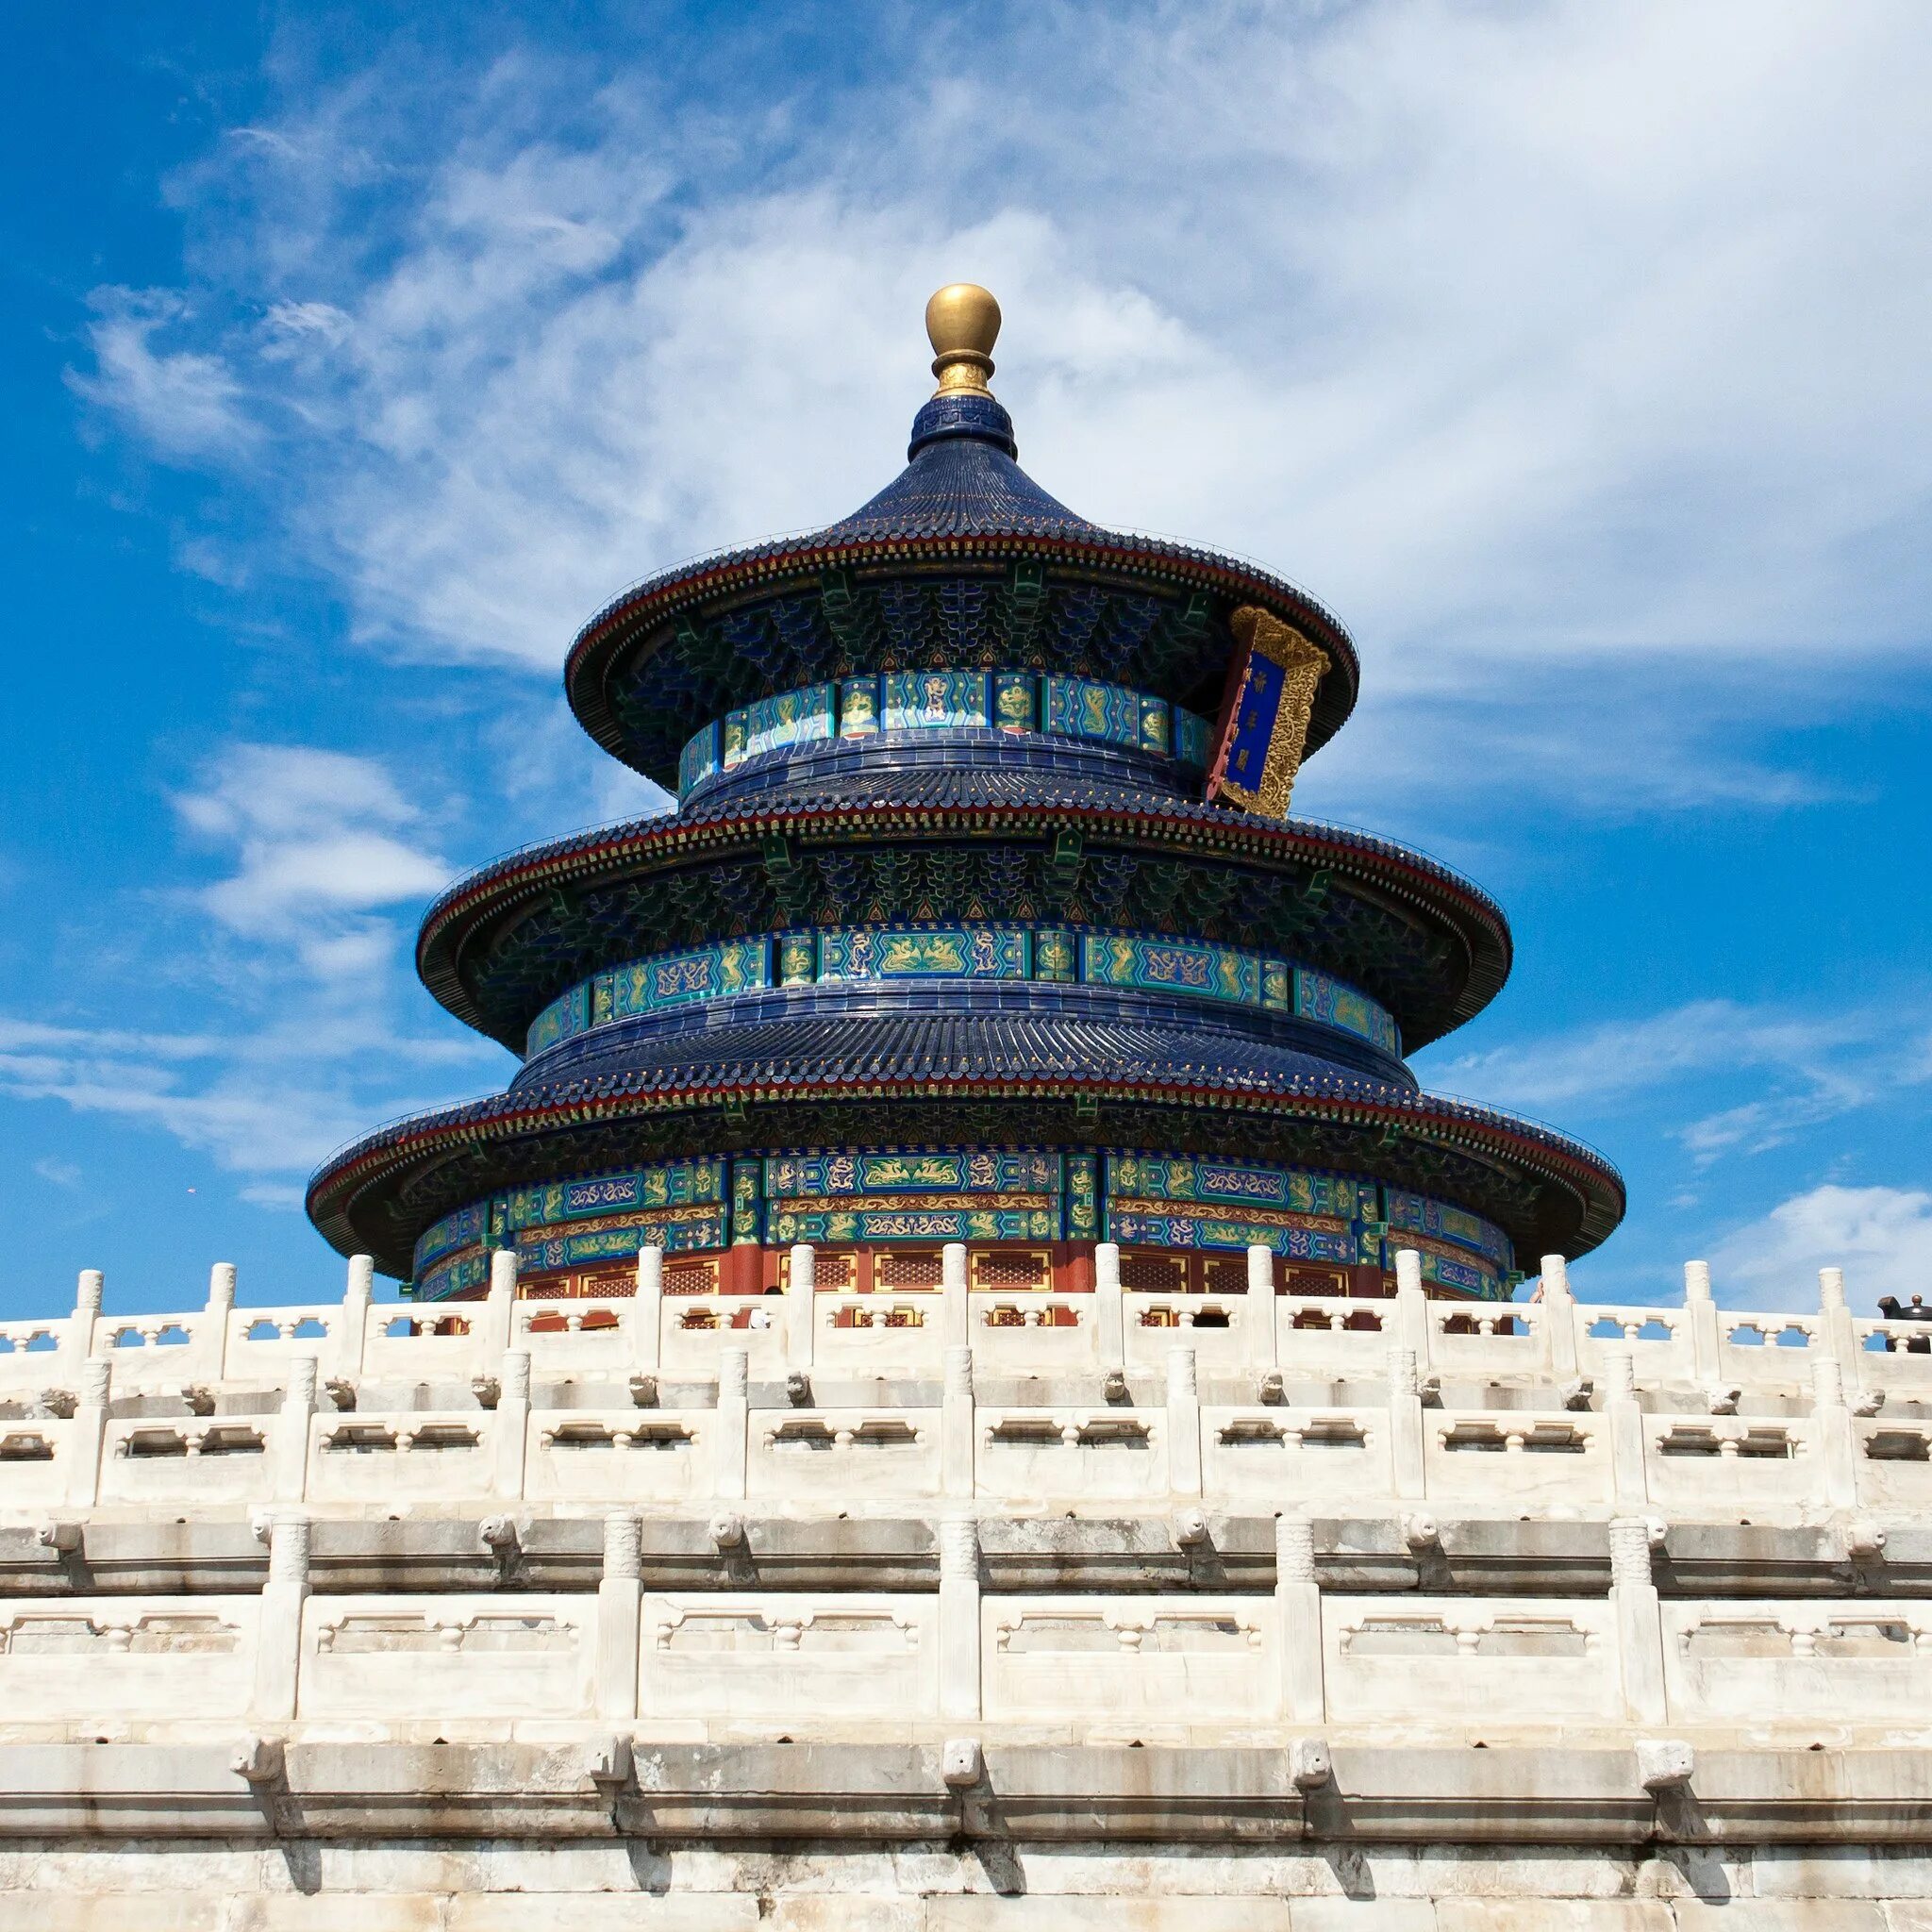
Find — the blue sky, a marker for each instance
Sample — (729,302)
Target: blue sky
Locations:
(1576,354)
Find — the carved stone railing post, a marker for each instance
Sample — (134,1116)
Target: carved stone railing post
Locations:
(1629,1473)
(87,1433)
(1840,1338)
(1559,1314)
(957,1425)
(647,1318)
(959,1614)
(510,1425)
(1258,1312)
(1836,1441)
(1411,1307)
(278,1637)
(1183,1424)
(1298,1619)
(359,1291)
(87,1317)
(1701,1312)
(292,1432)
(1639,1623)
(1405,1465)
(208,1352)
(1109,1310)
(732,1424)
(801,1310)
(956,1312)
(620,1604)
(496,1331)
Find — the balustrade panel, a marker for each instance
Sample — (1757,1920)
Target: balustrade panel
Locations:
(487,1657)
(1164,1662)
(1501,1461)
(1772,1661)
(1270,1455)
(726,1659)
(1455,1661)
(620,1455)
(87,1661)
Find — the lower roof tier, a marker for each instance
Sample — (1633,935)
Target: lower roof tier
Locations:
(996,1078)
(964,831)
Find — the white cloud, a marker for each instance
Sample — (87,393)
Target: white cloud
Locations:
(292,955)
(186,403)
(266,1102)
(1620,1058)
(59,1173)
(284,1196)
(1801,1071)
(317,842)
(1880,1236)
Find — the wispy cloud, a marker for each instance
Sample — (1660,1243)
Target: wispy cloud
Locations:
(289,949)
(186,403)
(316,838)
(1880,1236)
(1516,333)
(1815,1068)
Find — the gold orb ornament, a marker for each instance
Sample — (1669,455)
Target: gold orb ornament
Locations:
(962,323)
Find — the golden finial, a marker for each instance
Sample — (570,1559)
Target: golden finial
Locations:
(962,323)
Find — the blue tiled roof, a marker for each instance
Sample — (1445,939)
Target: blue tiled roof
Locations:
(962,501)
(954,1046)
(619,1047)
(813,1055)
(961,480)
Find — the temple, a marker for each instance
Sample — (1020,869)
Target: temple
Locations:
(963,1387)
(981,919)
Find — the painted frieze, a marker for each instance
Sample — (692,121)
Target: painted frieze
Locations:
(1053,954)
(1331,1003)
(932,700)
(1416,1213)
(948,952)
(842,1196)
(1215,972)
(1010,700)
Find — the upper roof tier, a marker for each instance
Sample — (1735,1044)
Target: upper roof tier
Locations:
(962,561)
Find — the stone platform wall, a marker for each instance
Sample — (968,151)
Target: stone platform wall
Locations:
(923,1611)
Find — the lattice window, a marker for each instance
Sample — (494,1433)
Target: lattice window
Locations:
(1153,1275)
(1317,1282)
(695,1276)
(1012,1269)
(898,1269)
(1224,1274)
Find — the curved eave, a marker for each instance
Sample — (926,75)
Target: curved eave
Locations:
(475,903)
(379,1163)
(631,615)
